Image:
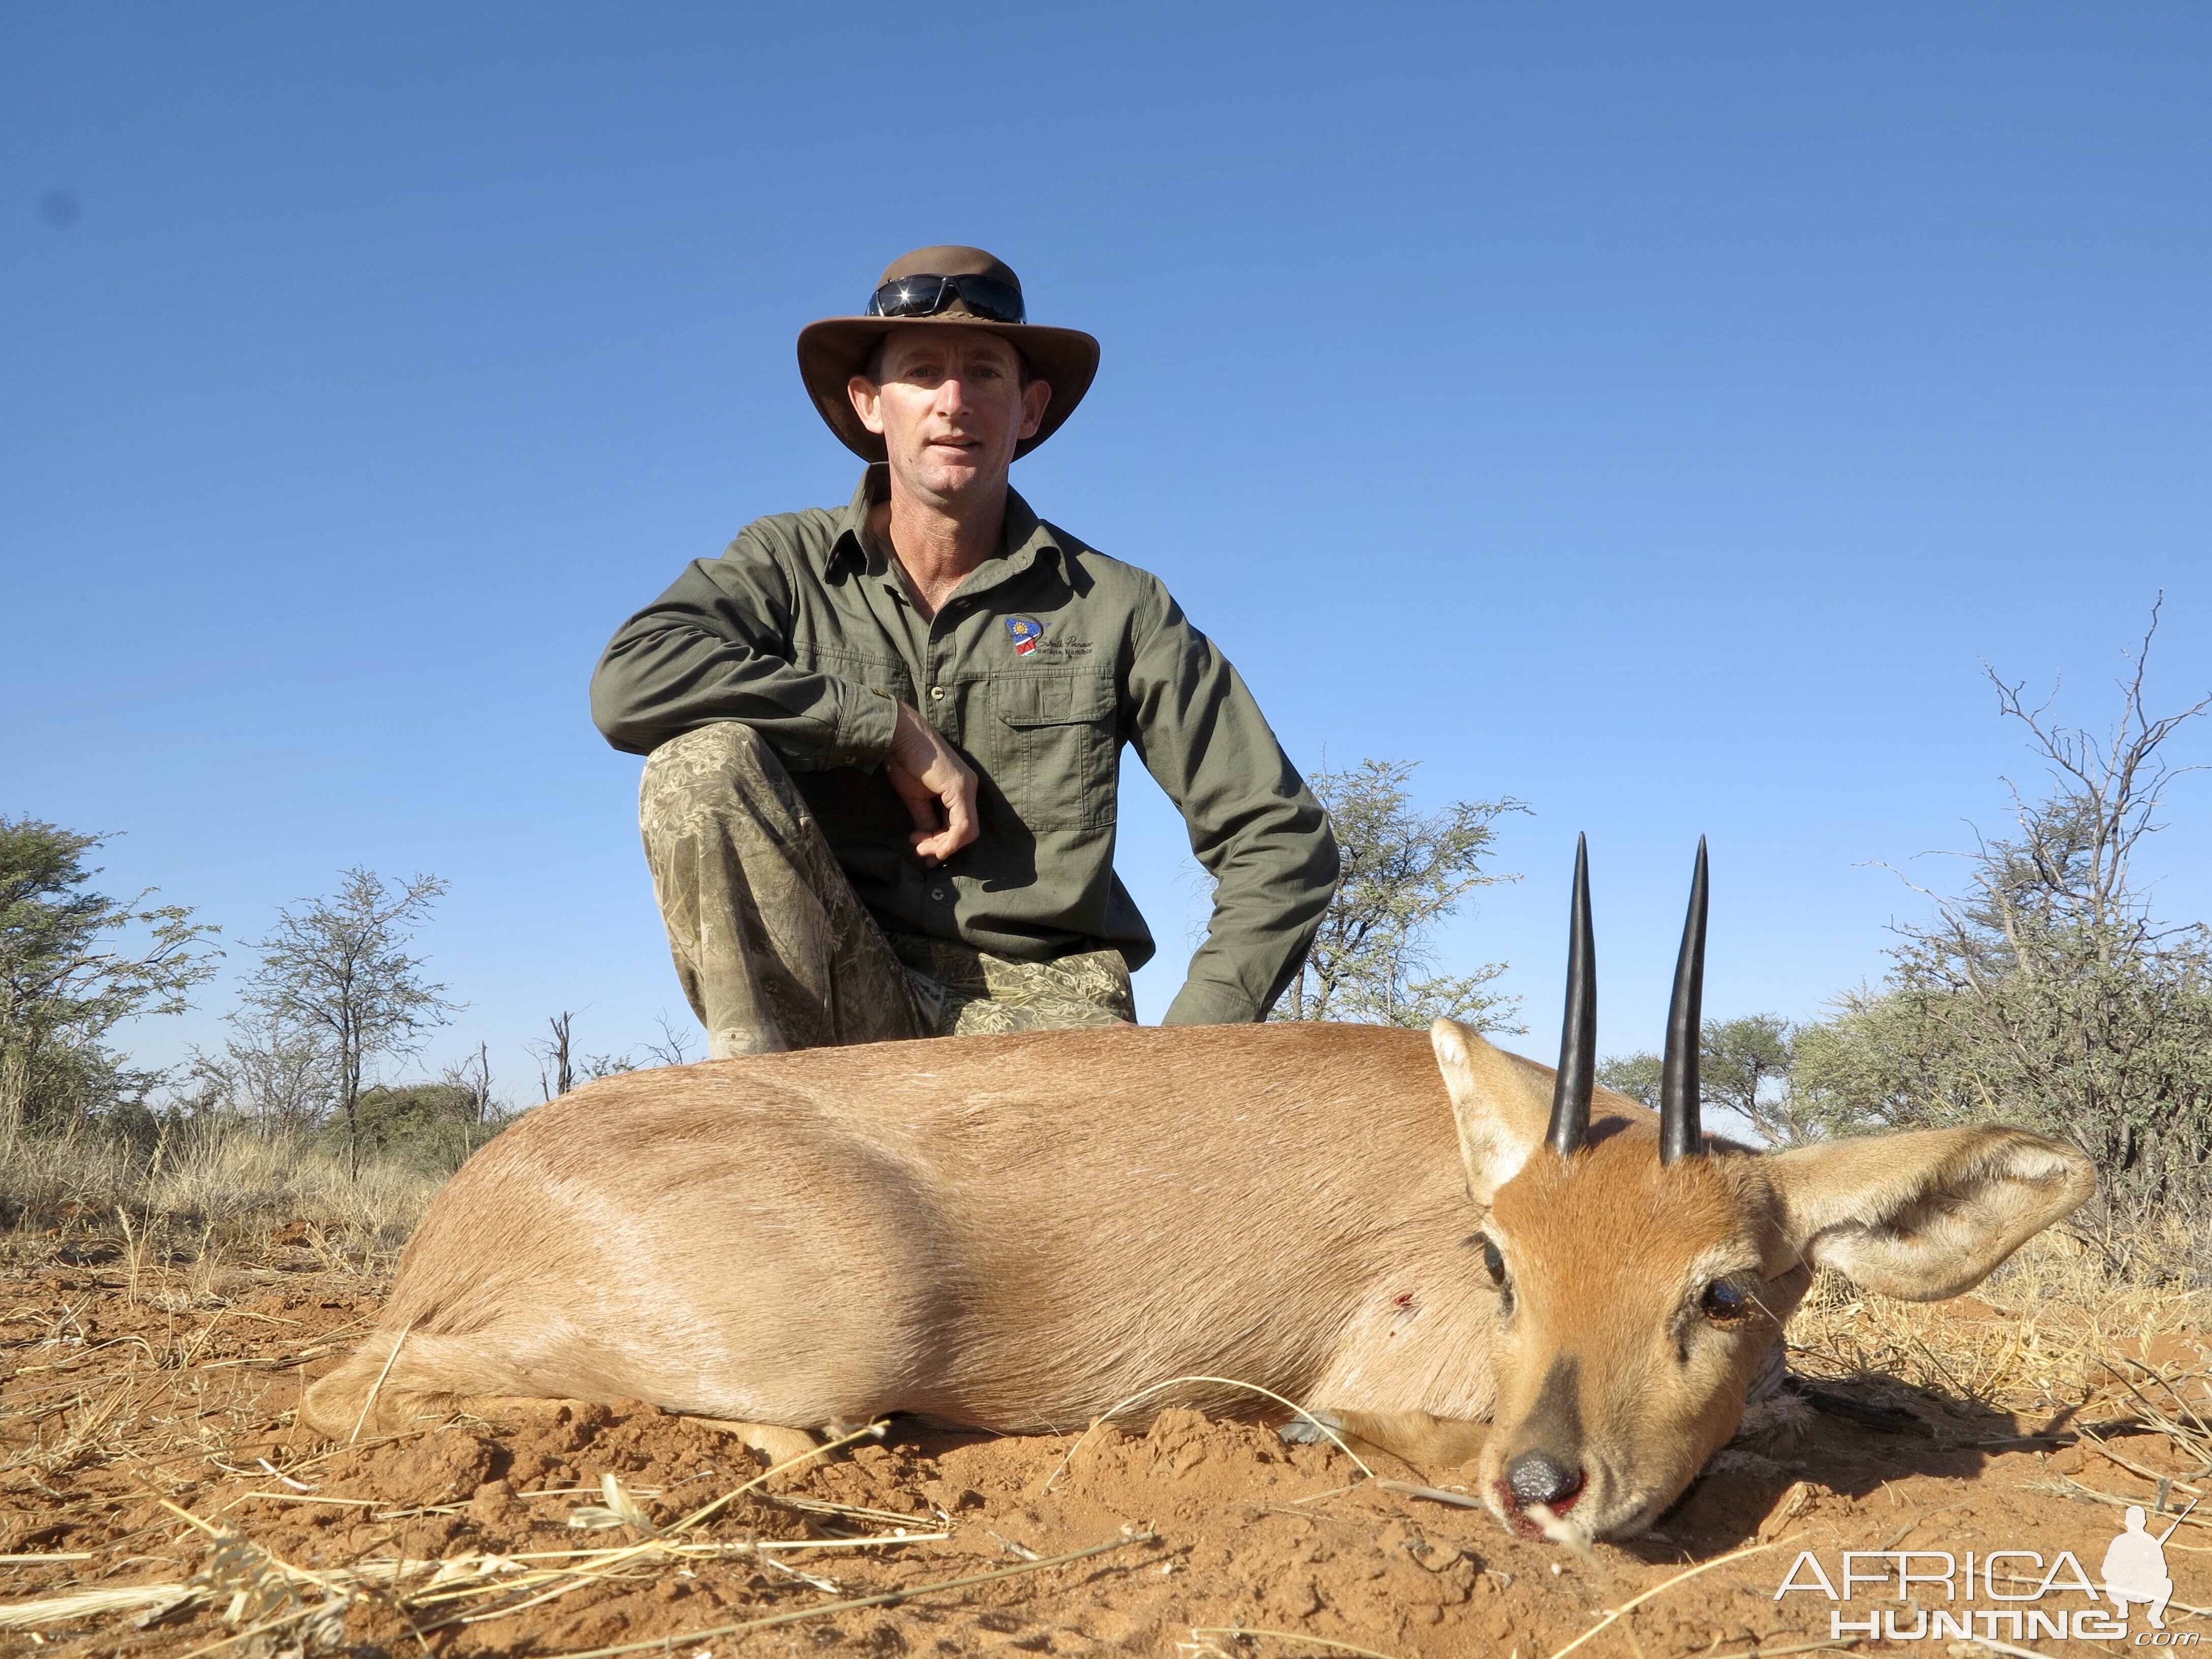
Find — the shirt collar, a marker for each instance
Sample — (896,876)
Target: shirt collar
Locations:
(1025,539)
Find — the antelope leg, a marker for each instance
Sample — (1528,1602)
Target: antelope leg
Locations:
(1415,1438)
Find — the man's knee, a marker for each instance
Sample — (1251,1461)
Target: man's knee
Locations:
(709,768)
(724,743)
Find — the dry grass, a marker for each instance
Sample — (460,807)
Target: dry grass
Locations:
(203,1193)
(258,1593)
(169,1225)
(156,1413)
(2073,1355)
(2047,1334)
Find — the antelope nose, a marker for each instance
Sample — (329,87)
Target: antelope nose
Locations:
(1537,1477)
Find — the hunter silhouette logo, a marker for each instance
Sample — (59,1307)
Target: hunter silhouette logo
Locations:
(1936,1590)
(2134,1568)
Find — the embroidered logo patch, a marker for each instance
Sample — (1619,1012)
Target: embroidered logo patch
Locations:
(1025,631)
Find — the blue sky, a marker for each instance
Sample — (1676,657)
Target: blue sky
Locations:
(1653,413)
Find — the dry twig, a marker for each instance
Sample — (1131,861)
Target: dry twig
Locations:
(1635,1601)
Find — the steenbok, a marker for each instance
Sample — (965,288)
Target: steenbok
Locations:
(1408,1235)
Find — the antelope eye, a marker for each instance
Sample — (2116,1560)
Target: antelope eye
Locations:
(1725,1302)
(1491,1259)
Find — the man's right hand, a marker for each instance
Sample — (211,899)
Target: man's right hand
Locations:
(938,786)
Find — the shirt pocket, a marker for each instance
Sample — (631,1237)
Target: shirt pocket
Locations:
(1055,733)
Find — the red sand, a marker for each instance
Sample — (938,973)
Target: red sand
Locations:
(109,1409)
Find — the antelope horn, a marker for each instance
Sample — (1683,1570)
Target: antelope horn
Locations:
(1679,1091)
(1570,1092)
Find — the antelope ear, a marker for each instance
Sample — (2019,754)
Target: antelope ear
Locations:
(1926,1214)
(1503,1104)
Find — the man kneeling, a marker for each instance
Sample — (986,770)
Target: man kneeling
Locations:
(885,739)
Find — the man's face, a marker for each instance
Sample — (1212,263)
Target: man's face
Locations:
(950,408)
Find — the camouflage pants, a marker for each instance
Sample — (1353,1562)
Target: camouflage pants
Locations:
(775,950)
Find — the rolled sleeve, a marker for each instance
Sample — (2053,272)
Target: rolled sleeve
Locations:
(717,647)
(865,726)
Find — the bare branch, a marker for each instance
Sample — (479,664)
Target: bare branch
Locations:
(2045,992)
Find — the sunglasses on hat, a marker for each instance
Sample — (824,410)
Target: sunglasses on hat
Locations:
(926,296)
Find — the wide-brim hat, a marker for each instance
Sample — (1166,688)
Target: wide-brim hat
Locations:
(836,349)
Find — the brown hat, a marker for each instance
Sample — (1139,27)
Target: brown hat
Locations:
(833,350)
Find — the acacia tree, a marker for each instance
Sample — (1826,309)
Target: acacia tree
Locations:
(65,982)
(2045,993)
(338,967)
(1404,873)
(275,1072)
(1744,1065)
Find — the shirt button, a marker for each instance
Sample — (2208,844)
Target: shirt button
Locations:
(937,693)
(937,892)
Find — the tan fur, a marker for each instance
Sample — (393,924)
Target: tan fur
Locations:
(1018,1232)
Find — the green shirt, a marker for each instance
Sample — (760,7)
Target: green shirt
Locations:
(1048,658)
